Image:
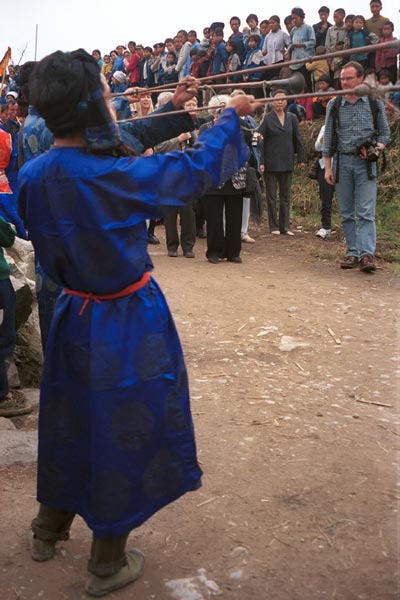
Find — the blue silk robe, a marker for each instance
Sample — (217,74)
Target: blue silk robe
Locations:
(116,439)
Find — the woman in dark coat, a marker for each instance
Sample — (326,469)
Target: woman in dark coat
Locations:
(282,140)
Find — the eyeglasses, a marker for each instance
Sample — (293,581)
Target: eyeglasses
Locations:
(347,78)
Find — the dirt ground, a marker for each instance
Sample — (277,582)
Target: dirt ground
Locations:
(300,491)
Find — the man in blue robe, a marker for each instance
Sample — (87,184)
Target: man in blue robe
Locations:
(116,439)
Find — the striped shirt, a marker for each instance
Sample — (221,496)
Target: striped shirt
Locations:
(355,125)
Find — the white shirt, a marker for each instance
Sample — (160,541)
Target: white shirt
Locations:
(275,42)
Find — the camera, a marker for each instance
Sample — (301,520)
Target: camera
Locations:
(369,145)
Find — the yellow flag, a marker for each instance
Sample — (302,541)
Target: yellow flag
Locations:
(4,61)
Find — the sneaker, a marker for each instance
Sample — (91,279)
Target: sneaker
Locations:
(188,254)
(276,232)
(14,405)
(173,253)
(287,233)
(323,233)
(41,550)
(100,586)
(247,239)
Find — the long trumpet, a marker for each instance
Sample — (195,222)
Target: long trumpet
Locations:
(364,89)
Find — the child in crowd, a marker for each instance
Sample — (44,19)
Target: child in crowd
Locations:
(360,36)
(169,74)
(384,79)
(254,58)
(387,59)
(253,29)
(348,22)
(336,66)
(318,67)
(233,64)
(319,103)
(107,66)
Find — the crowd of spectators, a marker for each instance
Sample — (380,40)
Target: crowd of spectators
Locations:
(257,44)
(231,52)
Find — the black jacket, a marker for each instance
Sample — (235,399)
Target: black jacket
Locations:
(281,143)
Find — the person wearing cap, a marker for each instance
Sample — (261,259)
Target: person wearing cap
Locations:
(115,429)
(11,96)
(322,27)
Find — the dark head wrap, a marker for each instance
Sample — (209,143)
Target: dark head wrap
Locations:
(66,90)
(25,73)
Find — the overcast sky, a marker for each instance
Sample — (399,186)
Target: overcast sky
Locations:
(70,24)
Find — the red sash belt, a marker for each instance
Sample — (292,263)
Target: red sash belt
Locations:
(131,289)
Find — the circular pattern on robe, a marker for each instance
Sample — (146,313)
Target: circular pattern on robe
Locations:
(175,417)
(106,366)
(163,476)
(39,283)
(110,494)
(52,482)
(59,421)
(51,286)
(77,363)
(131,426)
(153,358)
(33,143)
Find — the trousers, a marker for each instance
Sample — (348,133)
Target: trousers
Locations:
(107,556)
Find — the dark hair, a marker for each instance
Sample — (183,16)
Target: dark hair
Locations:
(299,12)
(254,37)
(340,10)
(206,30)
(288,19)
(171,54)
(350,18)
(356,65)
(280,91)
(59,90)
(183,32)
(132,43)
(4,107)
(388,23)
(202,53)
(193,32)
(375,2)
(384,72)
(26,70)
(276,19)
(325,78)
(359,17)
(233,44)
(194,52)
(235,19)
(219,31)
(148,48)
(96,50)
(252,16)
(168,40)
(324,9)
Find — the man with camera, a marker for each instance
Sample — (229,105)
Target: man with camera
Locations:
(356,132)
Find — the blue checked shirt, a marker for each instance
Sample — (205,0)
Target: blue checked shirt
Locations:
(356,124)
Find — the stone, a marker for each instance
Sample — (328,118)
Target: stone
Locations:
(6,424)
(289,343)
(18,447)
